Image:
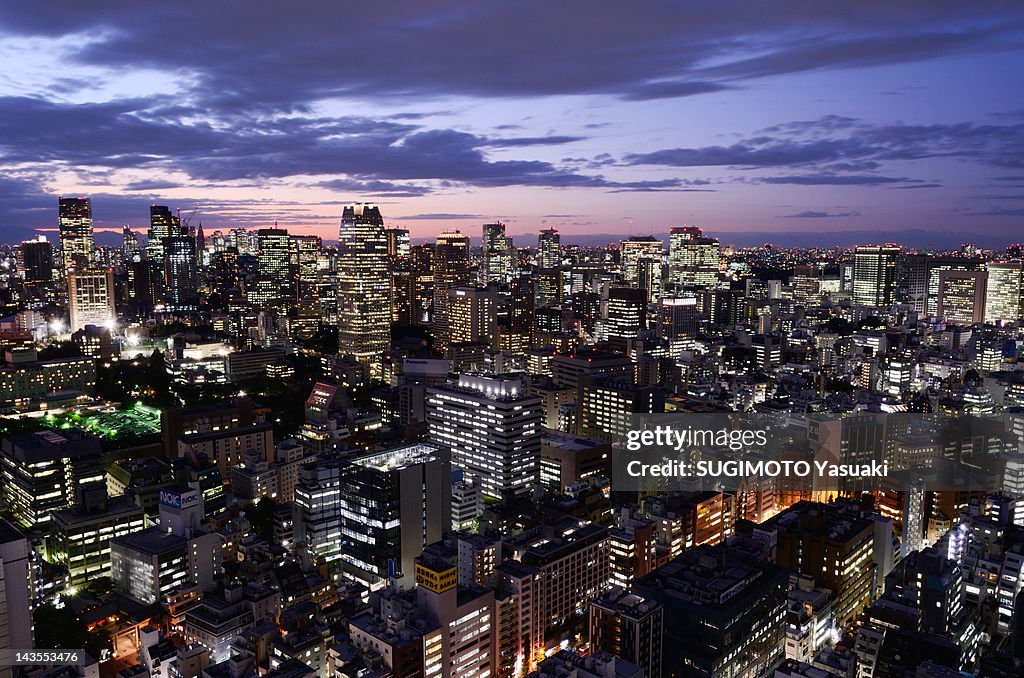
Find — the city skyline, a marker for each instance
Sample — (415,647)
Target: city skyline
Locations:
(804,120)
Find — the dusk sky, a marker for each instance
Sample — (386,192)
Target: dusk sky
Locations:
(590,116)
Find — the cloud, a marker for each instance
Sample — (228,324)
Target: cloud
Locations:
(811,214)
(274,56)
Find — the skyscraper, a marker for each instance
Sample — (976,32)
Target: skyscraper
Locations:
(181,270)
(36,263)
(306,250)
(364,288)
(693,259)
(276,272)
(874,275)
(496,263)
(1004,301)
(550,249)
(374,512)
(962,296)
(91,297)
(636,250)
(493,429)
(451,269)
(473,315)
(76,242)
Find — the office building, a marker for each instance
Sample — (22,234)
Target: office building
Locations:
(629,626)
(81,534)
(626,313)
(635,250)
(150,564)
(465,643)
(225,447)
(16,593)
(374,513)
(76,237)
(451,269)
(569,369)
(496,263)
(180,269)
(608,408)
(28,383)
(41,471)
(724,612)
(834,546)
(874,276)
(549,245)
(493,428)
(364,292)
(693,259)
(473,315)
(36,263)
(91,298)
(962,296)
(1004,296)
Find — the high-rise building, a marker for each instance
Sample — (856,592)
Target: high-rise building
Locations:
(36,263)
(91,297)
(81,534)
(181,269)
(962,296)
(151,563)
(678,317)
(693,259)
(626,313)
(451,269)
(16,593)
(399,246)
(364,288)
(161,223)
(41,471)
(628,626)
(834,547)
(464,616)
(276,269)
(76,240)
(549,245)
(635,250)
(1004,298)
(374,513)
(129,245)
(874,276)
(306,250)
(724,612)
(473,315)
(496,251)
(493,428)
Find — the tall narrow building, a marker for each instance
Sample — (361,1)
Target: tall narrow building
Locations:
(874,274)
(364,286)
(15,593)
(549,249)
(76,242)
(181,269)
(451,269)
(495,262)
